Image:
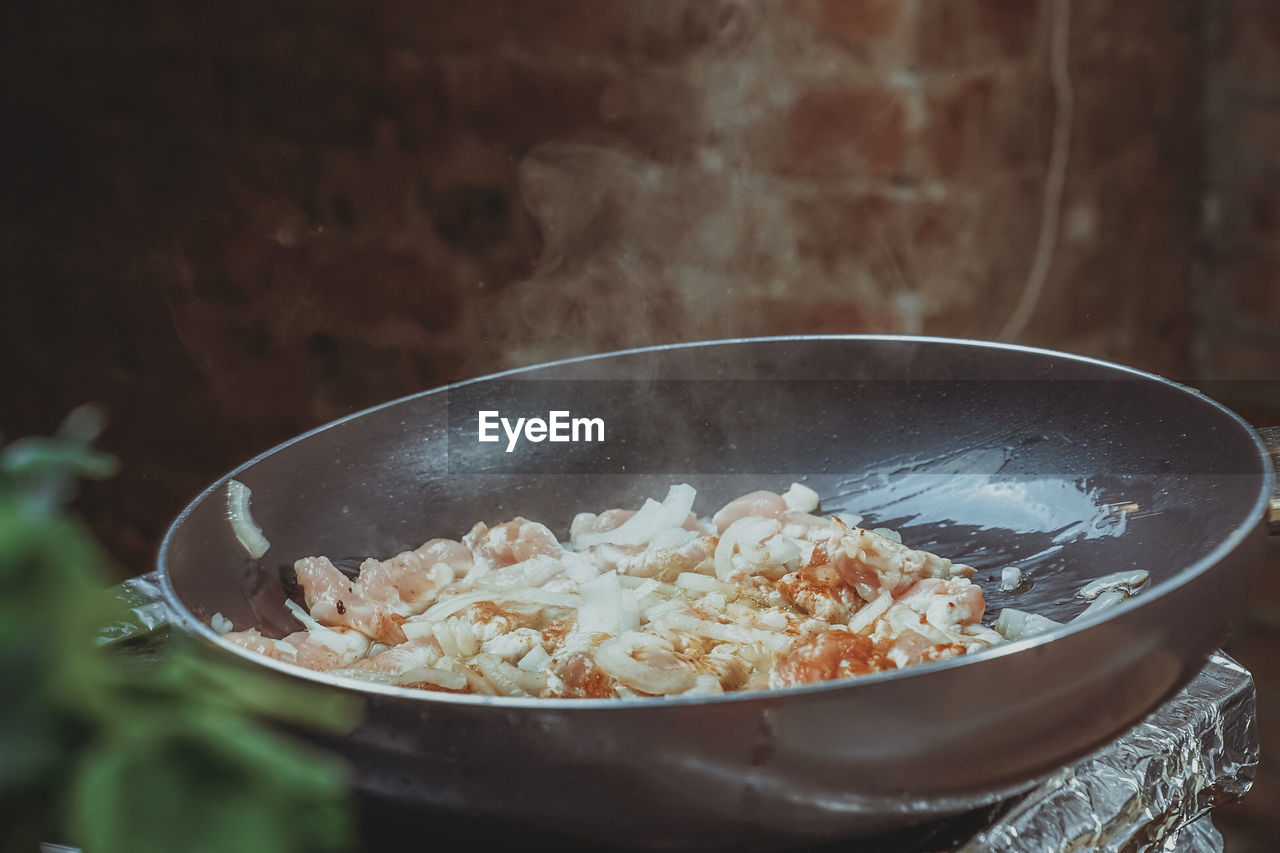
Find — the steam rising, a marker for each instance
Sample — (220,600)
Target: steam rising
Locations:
(677,224)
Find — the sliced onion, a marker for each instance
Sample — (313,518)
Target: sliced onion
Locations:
(1104,601)
(645,524)
(450,606)
(784,555)
(704,583)
(532,683)
(870,612)
(730,633)
(443,635)
(418,630)
(644,662)
(302,615)
(652,614)
(247,531)
(499,674)
(468,645)
(745,536)
(350,645)
(983,633)
(902,619)
(431,675)
(1017,624)
(1128,582)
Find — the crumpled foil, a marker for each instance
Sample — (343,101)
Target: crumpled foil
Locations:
(1152,789)
(144,609)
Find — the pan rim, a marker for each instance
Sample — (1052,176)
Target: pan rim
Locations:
(189,623)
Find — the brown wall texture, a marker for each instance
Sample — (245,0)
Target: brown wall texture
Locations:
(231,222)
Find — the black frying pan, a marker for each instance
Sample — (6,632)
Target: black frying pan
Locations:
(1067,467)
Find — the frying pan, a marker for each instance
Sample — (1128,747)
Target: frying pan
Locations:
(1067,467)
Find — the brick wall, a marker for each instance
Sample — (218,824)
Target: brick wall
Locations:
(232,222)
(875,166)
(1238,308)
(1238,327)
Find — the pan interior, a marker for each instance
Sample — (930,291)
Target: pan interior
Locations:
(993,456)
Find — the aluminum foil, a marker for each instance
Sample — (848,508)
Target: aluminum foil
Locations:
(143,609)
(1152,789)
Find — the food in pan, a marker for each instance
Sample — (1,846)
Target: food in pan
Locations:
(656,602)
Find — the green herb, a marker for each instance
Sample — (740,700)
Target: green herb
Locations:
(118,752)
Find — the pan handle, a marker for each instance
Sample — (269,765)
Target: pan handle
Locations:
(1271,438)
(145,609)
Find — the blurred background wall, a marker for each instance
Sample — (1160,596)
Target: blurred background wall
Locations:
(230,222)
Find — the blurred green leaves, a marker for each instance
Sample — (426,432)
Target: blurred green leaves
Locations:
(118,752)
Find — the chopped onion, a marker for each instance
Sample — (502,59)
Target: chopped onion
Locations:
(1104,601)
(220,623)
(653,613)
(704,685)
(903,619)
(545,597)
(672,538)
(531,682)
(1010,578)
(983,633)
(704,583)
(640,590)
(431,675)
(603,609)
(247,531)
(784,555)
(887,533)
(479,684)
(870,612)
(491,667)
(468,645)
(800,498)
(725,633)
(421,625)
(535,660)
(1017,624)
(1126,581)
(714,600)
(773,619)
(302,615)
(652,518)
(443,635)
(511,646)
